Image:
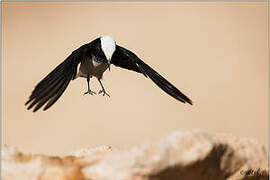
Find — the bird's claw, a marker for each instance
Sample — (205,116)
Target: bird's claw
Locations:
(90,92)
(104,93)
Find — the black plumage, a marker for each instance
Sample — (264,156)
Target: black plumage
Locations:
(53,85)
(50,89)
(126,59)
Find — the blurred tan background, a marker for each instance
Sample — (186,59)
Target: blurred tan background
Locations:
(216,53)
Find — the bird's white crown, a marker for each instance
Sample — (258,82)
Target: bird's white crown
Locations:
(108,46)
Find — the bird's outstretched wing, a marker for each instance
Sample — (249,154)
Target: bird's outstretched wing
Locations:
(54,84)
(126,59)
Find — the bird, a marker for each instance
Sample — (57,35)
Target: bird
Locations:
(92,60)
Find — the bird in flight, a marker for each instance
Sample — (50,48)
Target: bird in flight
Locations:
(92,60)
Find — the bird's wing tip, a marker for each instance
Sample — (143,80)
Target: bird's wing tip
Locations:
(190,102)
(27,102)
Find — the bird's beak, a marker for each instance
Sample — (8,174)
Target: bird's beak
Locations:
(109,65)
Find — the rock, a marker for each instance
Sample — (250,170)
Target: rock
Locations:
(16,165)
(181,155)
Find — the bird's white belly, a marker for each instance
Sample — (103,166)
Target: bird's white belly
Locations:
(92,68)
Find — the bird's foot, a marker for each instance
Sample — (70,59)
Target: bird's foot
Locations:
(90,92)
(104,92)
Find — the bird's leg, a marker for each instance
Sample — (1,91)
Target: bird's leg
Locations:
(103,89)
(88,90)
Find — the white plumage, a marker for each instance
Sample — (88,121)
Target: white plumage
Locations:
(108,46)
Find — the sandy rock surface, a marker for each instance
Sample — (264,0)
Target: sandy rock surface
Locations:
(189,155)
